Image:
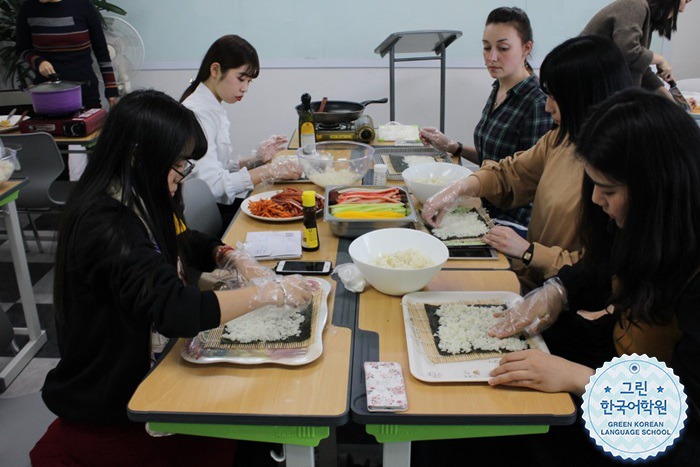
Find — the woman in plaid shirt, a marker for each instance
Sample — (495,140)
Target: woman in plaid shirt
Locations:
(514,118)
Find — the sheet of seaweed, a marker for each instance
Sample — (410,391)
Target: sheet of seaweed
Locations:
(304,334)
(434,320)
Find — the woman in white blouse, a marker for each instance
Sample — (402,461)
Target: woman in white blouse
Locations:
(228,68)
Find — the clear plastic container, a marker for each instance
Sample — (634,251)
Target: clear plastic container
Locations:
(8,161)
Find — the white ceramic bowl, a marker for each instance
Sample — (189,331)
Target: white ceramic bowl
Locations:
(332,163)
(424,180)
(367,248)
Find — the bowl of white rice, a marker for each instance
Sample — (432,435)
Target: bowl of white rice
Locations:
(332,163)
(398,261)
(424,180)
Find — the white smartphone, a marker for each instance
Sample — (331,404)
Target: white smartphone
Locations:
(471,252)
(304,267)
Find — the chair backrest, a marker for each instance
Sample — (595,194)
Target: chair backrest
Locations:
(41,162)
(201,212)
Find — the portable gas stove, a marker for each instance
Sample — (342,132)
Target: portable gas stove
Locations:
(78,124)
(361,130)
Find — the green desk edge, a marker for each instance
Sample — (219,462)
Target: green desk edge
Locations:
(404,433)
(296,435)
(9,198)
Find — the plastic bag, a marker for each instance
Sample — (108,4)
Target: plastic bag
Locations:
(351,277)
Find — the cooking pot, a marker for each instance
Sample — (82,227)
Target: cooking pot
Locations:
(339,111)
(56,97)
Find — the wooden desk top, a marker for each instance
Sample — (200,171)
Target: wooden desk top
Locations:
(67,139)
(383,314)
(312,394)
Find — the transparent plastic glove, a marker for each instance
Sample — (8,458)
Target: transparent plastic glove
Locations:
(537,311)
(286,169)
(244,264)
(268,148)
(433,137)
(351,277)
(437,205)
(291,291)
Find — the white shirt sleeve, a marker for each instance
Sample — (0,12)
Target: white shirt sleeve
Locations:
(213,168)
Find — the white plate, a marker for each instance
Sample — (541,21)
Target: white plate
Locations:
(13,120)
(195,352)
(267,195)
(472,371)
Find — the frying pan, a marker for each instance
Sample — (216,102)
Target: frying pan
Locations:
(340,111)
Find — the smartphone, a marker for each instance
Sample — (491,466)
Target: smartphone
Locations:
(386,391)
(304,267)
(472,252)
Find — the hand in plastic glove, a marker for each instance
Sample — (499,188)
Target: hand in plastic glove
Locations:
(293,291)
(537,311)
(507,241)
(269,147)
(287,169)
(247,266)
(433,137)
(542,371)
(437,205)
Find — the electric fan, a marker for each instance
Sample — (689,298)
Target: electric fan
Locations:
(125,49)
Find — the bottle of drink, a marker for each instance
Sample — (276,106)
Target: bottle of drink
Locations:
(307,125)
(380,171)
(310,240)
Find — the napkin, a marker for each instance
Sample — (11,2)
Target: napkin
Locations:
(274,245)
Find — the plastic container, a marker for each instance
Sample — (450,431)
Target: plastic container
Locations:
(380,171)
(336,162)
(8,161)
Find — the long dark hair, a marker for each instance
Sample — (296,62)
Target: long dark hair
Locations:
(145,134)
(517,18)
(664,16)
(579,73)
(650,145)
(230,51)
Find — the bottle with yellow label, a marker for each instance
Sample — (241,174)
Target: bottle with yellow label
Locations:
(307,125)
(309,241)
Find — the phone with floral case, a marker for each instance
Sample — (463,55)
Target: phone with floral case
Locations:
(386,391)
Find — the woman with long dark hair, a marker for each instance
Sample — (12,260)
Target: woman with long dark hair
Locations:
(640,226)
(226,71)
(514,117)
(121,253)
(630,24)
(575,75)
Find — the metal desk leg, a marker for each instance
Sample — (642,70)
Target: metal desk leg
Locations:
(299,456)
(396,454)
(37,337)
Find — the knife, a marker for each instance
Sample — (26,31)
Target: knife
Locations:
(678,96)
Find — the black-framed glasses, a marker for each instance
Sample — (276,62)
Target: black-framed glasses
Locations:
(189,167)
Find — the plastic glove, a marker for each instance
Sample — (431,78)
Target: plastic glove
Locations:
(537,311)
(292,291)
(433,137)
(436,206)
(286,169)
(269,147)
(351,277)
(245,265)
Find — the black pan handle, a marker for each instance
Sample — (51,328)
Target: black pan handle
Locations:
(375,101)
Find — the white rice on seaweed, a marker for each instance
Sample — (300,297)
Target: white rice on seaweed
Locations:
(459,223)
(267,324)
(463,328)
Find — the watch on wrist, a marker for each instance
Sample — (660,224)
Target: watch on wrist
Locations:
(458,151)
(527,256)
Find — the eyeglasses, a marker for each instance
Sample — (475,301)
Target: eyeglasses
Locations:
(189,167)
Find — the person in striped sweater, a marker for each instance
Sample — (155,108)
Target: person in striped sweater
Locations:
(59,36)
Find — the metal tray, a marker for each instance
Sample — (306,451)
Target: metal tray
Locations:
(194,350)
(353,228)
(393,157)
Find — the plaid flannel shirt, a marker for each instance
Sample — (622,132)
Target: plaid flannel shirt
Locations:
(516,125)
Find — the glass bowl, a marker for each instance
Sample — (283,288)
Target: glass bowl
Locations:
(332,163)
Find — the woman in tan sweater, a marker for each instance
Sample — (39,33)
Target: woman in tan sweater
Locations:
(576,75)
